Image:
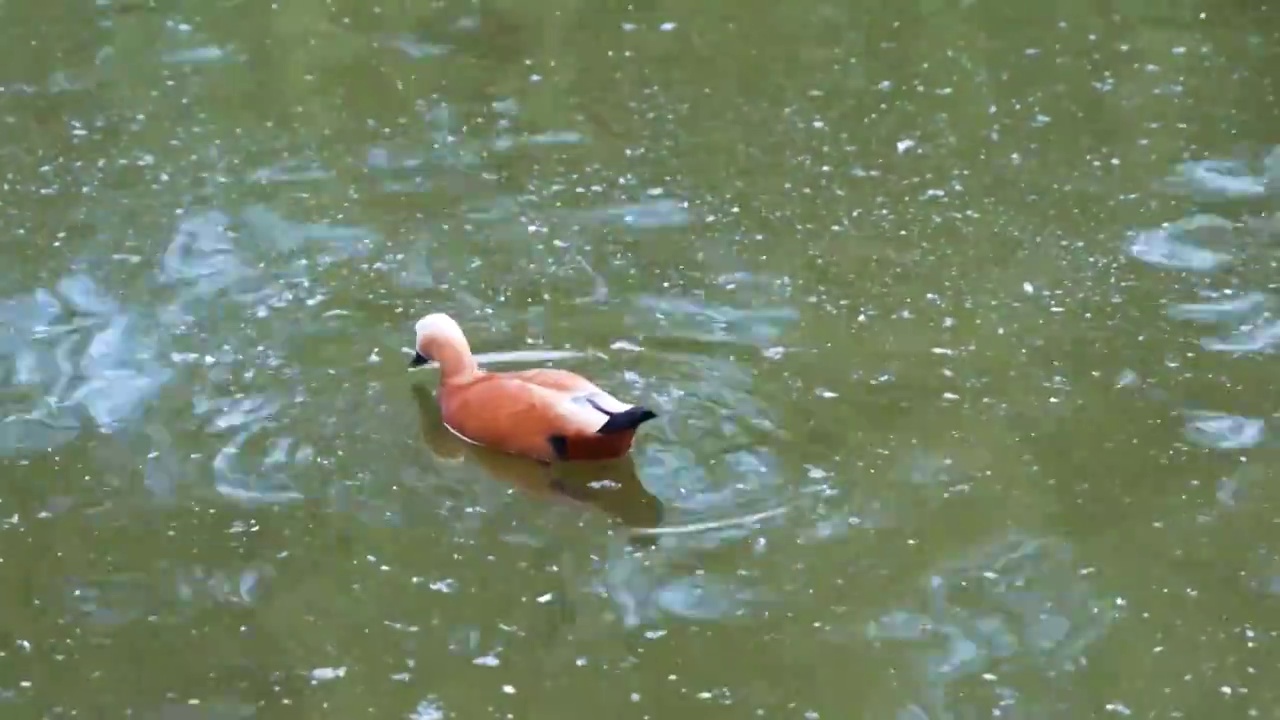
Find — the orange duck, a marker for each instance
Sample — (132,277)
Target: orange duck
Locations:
(544,414)
(613,487)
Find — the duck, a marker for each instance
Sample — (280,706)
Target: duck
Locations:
(545,414)
(613,488)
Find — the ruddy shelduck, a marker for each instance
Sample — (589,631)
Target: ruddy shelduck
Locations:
(623,496)
(544,414)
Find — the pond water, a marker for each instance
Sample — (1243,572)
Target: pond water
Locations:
(959,316)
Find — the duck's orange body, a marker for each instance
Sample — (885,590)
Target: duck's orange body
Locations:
(543,414)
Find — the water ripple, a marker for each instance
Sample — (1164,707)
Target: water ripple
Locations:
(1216,180)
(646,587)
(1223,431)
(1178,245)
(167,592)
(1018,601)
(671,316)
(75,353)
(415,48)
(1231,308)
(647,214)
(1259,336)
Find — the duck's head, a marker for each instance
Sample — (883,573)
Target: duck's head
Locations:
(437,334)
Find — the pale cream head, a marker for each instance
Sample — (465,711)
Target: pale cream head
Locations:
(439,338)
(436,325)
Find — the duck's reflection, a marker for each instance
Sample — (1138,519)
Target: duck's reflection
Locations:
(612,486)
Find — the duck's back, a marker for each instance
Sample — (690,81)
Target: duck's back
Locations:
(554,379)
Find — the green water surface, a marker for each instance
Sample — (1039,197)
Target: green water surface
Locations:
(972,300)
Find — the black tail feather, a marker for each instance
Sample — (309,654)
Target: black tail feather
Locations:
(629,419)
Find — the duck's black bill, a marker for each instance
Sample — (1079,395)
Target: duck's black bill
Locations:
(419,360)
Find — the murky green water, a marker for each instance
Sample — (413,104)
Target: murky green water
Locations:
(977,300)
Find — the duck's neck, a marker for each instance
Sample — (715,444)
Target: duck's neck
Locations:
(456,363)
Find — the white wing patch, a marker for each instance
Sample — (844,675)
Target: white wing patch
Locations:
(601,402)
(580,411)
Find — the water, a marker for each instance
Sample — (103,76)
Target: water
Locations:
(959,318)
